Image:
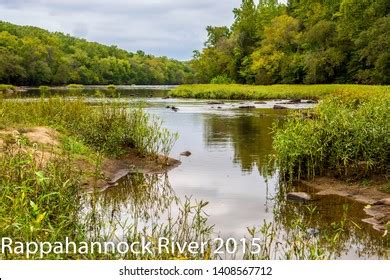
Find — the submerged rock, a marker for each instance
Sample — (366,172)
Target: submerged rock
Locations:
(385,201)
(299,196)
(292,101)
(313,231)
(215,103)
(279,107)
(295,101)
(117,176)
(247,107)
(186,153)
(260,102)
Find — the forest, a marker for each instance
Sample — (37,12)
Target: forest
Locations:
(33,56)
(303,42)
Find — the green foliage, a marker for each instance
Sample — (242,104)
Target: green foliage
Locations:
(44,89)
(4,88)
(347,136)
(38,202)
(221,79)
(339,41)
(33,56)
(385,189)
(106,128)
(75,86)
(44,203)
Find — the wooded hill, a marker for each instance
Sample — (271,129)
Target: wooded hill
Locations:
(34,56)
(305,41)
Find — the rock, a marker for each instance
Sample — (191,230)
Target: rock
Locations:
(311,101)
(166,97)
(385,201)
(219,107)
(168,107)
(313,231)
(186,153)
(299,196)
(173,108)
(118,176)
(215,103)
(292,101)
(260,102)
(278,107)
(247,107)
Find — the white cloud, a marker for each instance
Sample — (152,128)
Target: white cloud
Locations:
(167,27)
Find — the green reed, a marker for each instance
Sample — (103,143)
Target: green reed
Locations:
(251,92)
(347,136)
(106,127)
(43,202)
(38,201)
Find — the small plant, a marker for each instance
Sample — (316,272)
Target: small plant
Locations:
(222,79)
(385,189)
(44,88)
(7,88)
(75,86)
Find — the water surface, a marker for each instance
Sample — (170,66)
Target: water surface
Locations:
(229,149)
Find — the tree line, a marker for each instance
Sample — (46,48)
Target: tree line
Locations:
(303,41)
(33,56)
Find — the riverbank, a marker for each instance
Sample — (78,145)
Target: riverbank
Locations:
(374,201)
(52,150)
(4,88)
(341,147)
(96,171)
(251,92)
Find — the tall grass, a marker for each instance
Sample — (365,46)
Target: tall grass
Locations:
(75,86)
(250,92)
(43,203)
(38,201)
(107,128)
(4,88)
(347,136)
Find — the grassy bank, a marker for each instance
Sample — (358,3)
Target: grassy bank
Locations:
(5,88)
(105,128)
(249,92)
(347,136)
(40,180)
(44,204)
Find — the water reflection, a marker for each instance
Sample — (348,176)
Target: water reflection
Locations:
(249,135)
(139,200)
(336,222)
(229,149)
(144,202)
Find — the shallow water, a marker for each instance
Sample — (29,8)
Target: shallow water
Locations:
(229,149)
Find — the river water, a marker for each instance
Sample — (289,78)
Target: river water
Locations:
(230,147)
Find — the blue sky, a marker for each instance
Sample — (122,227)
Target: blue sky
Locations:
(173,28)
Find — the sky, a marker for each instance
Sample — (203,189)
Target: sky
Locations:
(172,28)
